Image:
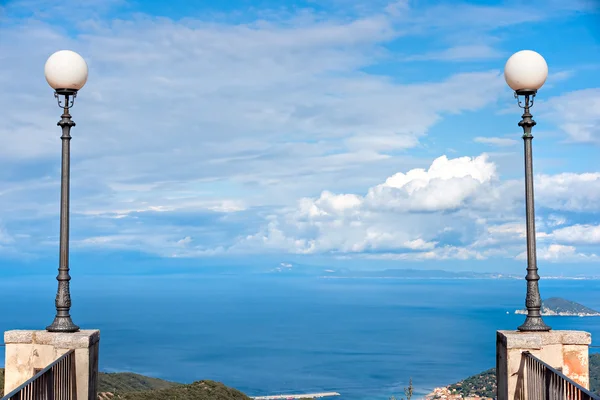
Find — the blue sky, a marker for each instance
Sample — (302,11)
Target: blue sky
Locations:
(341,132)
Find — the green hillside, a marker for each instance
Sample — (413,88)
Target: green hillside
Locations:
(123,382)
(595,373)
(482,385)
(201,390)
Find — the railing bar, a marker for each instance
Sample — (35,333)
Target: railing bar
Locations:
(553,380)
(61,382)
(36,376)
(57,379)
(73,378)
(65,380)
(43,385)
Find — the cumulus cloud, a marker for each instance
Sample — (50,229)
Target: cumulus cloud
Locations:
(455,209)
(445,185)
(399,214)
(579,234)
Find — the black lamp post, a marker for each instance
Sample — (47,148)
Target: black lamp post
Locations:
(525,72)
(66,72)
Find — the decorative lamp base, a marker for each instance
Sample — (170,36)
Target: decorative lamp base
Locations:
(63,324)
(534,324)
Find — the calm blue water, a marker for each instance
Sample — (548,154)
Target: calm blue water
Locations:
(266,335)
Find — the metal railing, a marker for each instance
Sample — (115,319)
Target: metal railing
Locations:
(55,382)
(542,382)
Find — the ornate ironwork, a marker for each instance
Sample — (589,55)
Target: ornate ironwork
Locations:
(62,321)
(69,96)
(533,300)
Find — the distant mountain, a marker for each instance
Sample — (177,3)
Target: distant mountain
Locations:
(291,269)
(419,274)
(556,306)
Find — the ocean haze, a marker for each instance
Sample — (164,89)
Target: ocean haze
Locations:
(268,334)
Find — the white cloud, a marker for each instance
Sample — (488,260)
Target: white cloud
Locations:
(496,141)
(193,114)
(560,253)
(555,220)
(460,53)
(577,114)
(445,185)
(439,253)
(412,215)
(212,116)
(579,234)
(569,191)
(388,218)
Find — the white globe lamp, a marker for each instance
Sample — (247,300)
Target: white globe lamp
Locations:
(526,72)
(66,71)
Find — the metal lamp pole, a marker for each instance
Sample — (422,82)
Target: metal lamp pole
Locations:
(529,69)
(533,301)
(66,72)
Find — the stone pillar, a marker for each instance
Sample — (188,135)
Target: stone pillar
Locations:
(30,351)
(567,351)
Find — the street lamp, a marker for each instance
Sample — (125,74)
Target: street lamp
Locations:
(66,72)
(525,72)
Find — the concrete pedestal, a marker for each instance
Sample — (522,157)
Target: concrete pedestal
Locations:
(567,351)
(31,351)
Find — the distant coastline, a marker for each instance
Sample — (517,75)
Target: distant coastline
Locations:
(566,278)
(329,272)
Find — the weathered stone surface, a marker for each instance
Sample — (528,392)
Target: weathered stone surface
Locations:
(27,351)
(567,351)
(18,336)
(537,340)
(520,340)
(78,340)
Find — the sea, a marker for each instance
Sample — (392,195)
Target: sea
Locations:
(270,334)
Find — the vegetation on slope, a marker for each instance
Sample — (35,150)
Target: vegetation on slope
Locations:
(481,385)
(201,390)
(124,382)
(1,381)
(595,373)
